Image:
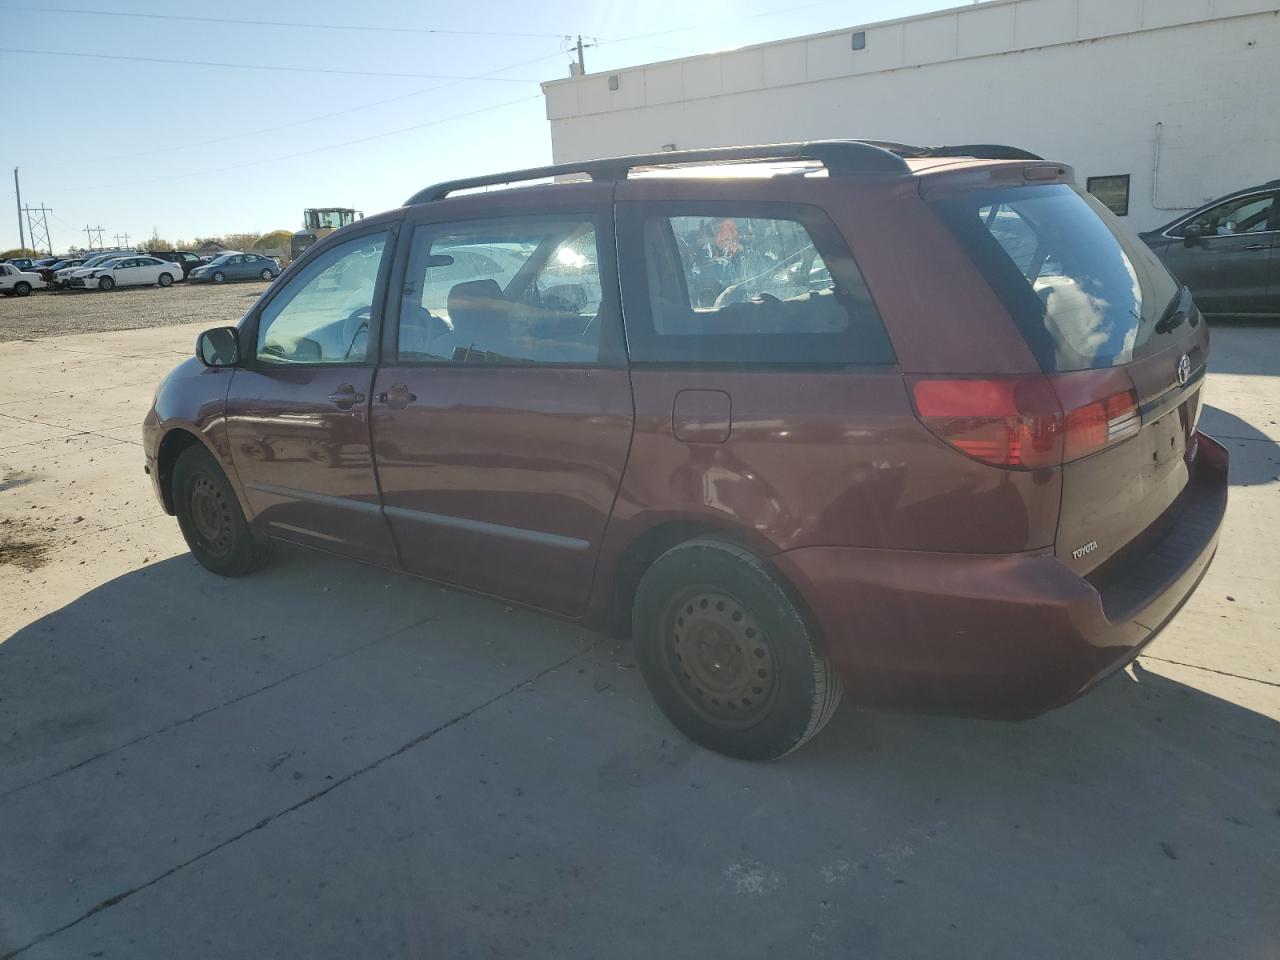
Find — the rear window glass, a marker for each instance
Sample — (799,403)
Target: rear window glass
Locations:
(746,284)
(1085,293)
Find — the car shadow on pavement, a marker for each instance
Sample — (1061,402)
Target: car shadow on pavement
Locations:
(1255,457)
(169,715)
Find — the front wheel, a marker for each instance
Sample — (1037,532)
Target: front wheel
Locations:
(728,654)
(268,275)
(210,517)
(21,288)
(166,280)
(106,283)
(219,277)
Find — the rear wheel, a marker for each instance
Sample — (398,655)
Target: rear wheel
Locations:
(219,277)
(21,288)
(268,275)
(166,280)
(210,517)
(727,653)
(106,283)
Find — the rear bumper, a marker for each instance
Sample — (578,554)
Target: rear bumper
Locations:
(1004,636)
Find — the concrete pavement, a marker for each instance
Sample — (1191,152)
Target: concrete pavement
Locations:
(329,760)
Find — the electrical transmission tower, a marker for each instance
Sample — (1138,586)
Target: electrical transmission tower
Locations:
(95,236)
(38,227)
(125,242)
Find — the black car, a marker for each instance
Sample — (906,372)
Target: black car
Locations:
(1228,252)
(187,260)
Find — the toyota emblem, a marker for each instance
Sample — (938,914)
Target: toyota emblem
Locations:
(1184,370)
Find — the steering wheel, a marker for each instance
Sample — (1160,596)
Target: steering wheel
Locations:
(361,314)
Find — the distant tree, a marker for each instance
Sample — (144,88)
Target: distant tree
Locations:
(274,240)
(18,252)
(156,243)
(240,241)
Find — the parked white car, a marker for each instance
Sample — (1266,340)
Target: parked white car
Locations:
(128,272)
(62,278)
(18,283)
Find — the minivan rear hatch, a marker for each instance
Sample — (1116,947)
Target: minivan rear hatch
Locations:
(1119,339)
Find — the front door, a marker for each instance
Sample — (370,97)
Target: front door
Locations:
(127,272)
(298,408)
(502,413)
(1227,266)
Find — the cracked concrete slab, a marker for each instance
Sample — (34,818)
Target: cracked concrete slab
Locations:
(503,786)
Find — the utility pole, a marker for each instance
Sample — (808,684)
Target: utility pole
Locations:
(38,227)
(17,190)
(582,66)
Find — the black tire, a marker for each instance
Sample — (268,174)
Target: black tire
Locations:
(106,283)
(210,517)
(728,653)
(165,280)
(219,277)
(21,289)
(268,274)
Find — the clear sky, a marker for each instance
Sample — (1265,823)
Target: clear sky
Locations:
(193,150)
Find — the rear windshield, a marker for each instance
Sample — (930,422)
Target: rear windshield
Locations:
(1084,292)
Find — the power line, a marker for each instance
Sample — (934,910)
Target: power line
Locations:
(304,153)
(297,123)
(346,27)
(259,66)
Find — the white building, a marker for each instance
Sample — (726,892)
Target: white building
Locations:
(1181,97)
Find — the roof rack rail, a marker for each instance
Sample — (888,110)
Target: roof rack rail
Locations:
(840,157)
(979,151)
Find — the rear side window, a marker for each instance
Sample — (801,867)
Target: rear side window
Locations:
(760,284)
(1084,292)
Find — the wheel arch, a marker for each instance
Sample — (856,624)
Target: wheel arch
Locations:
(172,445)
(642,547)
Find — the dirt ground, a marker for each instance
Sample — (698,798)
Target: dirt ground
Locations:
(59,312)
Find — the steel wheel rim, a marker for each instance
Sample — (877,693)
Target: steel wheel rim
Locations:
(720,658)
(210,515)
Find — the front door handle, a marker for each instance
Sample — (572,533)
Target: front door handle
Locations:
(397,396)
(1257,246)
(346,397)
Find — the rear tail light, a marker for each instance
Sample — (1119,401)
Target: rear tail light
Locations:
(1029,422)
(1097,425)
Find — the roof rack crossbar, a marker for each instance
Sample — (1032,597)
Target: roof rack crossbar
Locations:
(840,157)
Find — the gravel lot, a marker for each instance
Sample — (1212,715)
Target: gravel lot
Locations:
(56,313)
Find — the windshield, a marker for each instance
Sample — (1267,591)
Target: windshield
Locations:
(1084,292)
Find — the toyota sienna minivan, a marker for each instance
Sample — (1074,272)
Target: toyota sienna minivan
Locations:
(915,426)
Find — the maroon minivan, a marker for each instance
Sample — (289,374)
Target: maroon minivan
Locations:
(805,418)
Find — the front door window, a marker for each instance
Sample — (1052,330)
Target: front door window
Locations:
(323,315)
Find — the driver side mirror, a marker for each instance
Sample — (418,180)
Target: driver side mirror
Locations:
(1192,233)
(219,347)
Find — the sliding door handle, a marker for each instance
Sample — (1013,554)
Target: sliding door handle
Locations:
(397,396)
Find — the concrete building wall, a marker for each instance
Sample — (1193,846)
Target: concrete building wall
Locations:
(1105,85)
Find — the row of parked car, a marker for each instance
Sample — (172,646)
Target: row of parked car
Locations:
(126,268)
